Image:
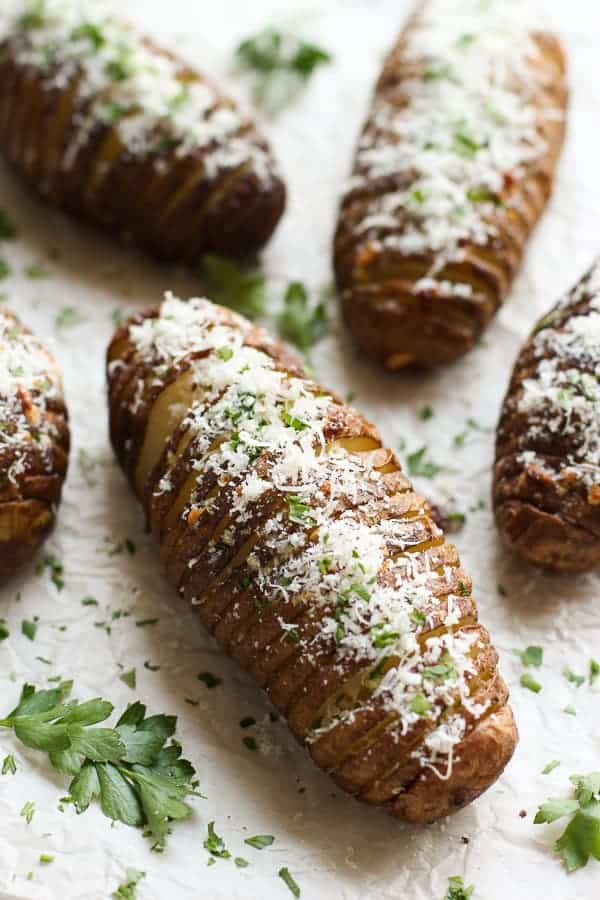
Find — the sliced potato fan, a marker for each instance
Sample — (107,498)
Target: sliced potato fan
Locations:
(306,552)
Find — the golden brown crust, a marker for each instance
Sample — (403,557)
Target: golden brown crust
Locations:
(546,468)
(212,558)
(32,467)
(390,317)
(174,203)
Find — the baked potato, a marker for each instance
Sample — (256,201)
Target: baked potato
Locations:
(34,443)
(453,168)
(113,128)
(547,470)
(307,554)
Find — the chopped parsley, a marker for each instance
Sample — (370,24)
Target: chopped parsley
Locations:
(215,844)
(442,670)
(289,880)
(243,291)
(29,629)
(56,569)
(531,656)
(247,722)
(9,765)
(241,863)
(260,841)
(572,678)
(129,678)
(91,32)
(210,680)
(570,710)
(420,705)
(471,425)
(4,632)
(89,601)
(418,617)
(298,511)
(128,890)
(457,889)
(67,317)
(528,681)
(224,353)
(28,811)
(250,743)
(594,670)
(280,63)
(5,269)
(419,466)
(581,838)
(293,421)
(142,623)
(551,766)
(46,859)
(299,322)
(133,769)
(426,413)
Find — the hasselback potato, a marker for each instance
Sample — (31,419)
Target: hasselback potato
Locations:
(111,127)
(308,555)
(547,471)
(453,168)
(34,443)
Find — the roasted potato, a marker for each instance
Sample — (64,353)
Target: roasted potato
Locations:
(116,130)
(453,168)
(308,555)
(547,471)
(34,443)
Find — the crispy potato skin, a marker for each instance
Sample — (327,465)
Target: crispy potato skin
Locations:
(544,507)
(388,318)
(29,499)
(367,755)
(163,200)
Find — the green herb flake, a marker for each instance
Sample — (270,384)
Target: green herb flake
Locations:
(67,317)
(419,466)
(225,353)
(572,677)
(247,722)
(89,601)
(28,811)
(457,889)
(426,413)
(56,569)
(29,629)
(300,322)
(594,671)
(531,656)
(289,880)
(46,859)
(241,290)
(418,617)
(250,743)
(260,841)
(210,680)
(215,844)
(5,269)
(241,863)
(4,631)
(442,670)
(89,31)
(570,710)
(142,623)
(551,766)
(128,890)
(420,705)
(528,681)
(298,511)
(129,678)
(9,765)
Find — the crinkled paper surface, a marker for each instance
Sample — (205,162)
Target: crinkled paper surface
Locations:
(334,847)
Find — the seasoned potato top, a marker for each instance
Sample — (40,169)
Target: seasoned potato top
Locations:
(558,398)
(341,527)
(458,117)
(154,101)
(29,382)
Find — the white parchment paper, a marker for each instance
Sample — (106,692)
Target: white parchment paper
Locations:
(334,847)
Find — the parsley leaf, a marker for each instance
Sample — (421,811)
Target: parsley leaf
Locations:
(28,811)
(29,629)
(230,285)
(215,844)
(260,841)
(577,680)
(129,678)
(581,838)
(128,890)
(531,656)
(594,670)
(419,467)
(9,765)
(551,766)
(299,322)
(210,680)
(281,64)
(298,511)
(134,769)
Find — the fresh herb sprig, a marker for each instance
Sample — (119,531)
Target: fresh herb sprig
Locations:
(300,322)
(135,769)
(280,63)
(581,838)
